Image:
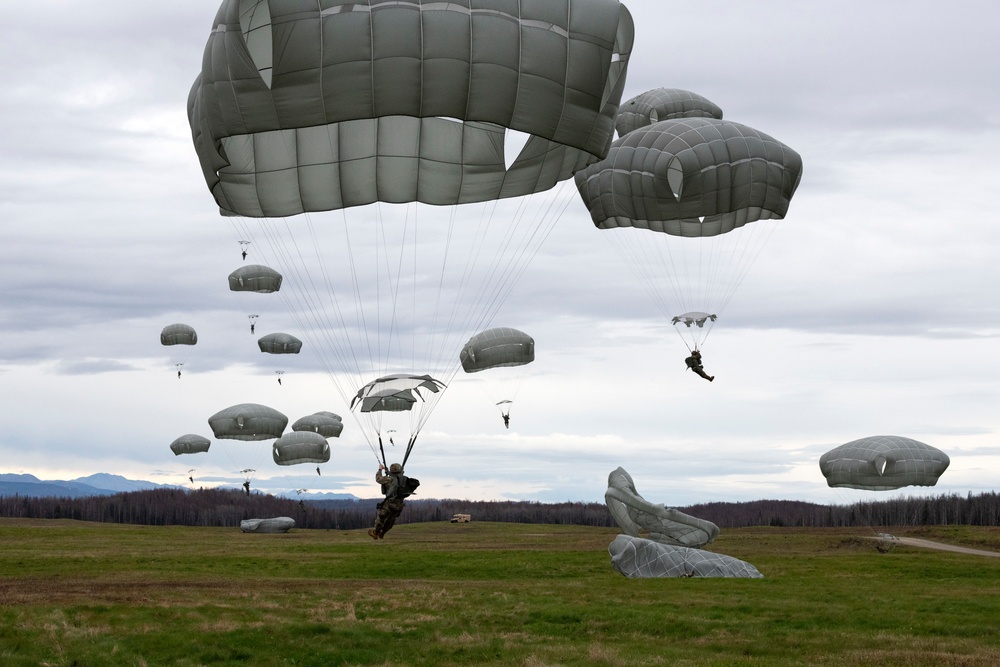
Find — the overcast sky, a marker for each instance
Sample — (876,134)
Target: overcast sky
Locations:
(872,310)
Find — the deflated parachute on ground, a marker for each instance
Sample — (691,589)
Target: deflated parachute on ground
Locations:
(313,105)
(640,518)
(278,524)
(635,557)
(883,462)
(663,104)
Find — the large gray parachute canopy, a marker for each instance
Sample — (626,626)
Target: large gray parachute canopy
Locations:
(495,348)
(327,424)
(255,278)
(637,558)
(394,393)
(300,447)
(693,177)
(883,462)
(279,343)
(248,421)
(178,334)
(640,518)
(316,105)
(663,104)
(190,443)
(278,524)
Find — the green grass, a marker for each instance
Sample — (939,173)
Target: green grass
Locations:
(76,593)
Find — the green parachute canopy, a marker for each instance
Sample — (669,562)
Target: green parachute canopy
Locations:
(327,424)
(255,278)
(190,443)
(663,104)
(882,463)
(297,447)
(677,199)
(178,334)
(279,343)
(312,106)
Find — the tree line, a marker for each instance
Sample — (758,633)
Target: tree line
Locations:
(227,507)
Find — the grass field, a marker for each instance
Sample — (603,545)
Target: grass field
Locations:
(89,594)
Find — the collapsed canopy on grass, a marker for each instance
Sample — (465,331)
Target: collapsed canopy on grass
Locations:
(635,557)
(883,462)
(640,518)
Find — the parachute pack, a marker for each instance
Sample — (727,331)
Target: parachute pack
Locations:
(403,488)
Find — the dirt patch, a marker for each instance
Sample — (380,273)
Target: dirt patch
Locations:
(928,544)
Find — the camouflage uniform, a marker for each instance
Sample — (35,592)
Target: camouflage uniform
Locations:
(390,508)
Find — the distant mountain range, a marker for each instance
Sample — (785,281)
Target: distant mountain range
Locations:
(104,484)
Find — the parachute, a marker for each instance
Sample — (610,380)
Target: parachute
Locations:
(190,443)
(241,427)
(278,524)
(663,104)
(327,424)
(358,115)
(502,352)
(297,447)
(255,278)
(178,335)
(635,557)
(882,463)
(279,343)
(640,518)
(696,183)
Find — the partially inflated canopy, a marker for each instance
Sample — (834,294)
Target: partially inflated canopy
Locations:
(395,393)
(279,343)
(663,104)
(255,278)
(190,443)
(327,424)
(297,447)
(313,105)
(496,348)
(883,462)
(178,334)
(640,518)
(248,421)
